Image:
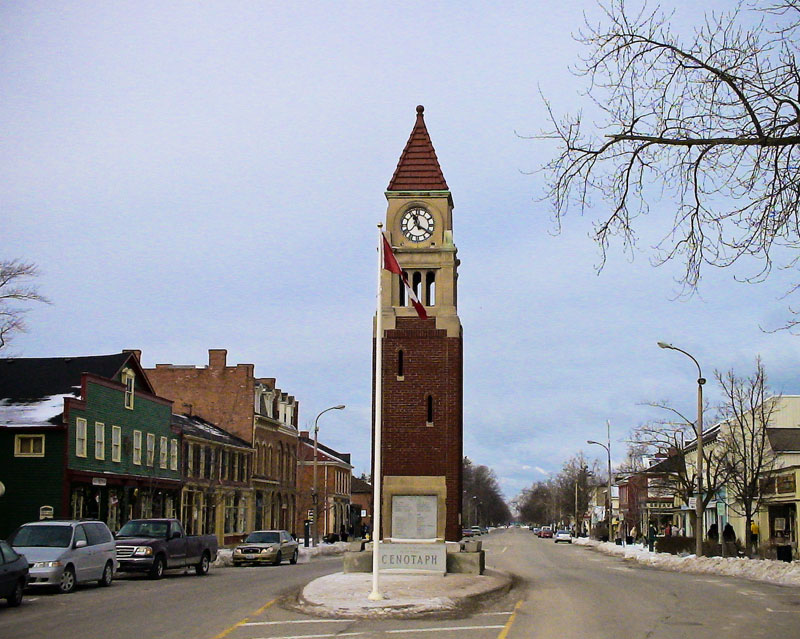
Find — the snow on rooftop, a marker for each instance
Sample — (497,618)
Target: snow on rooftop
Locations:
(15,413)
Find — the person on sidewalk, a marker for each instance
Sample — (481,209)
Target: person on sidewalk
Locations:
(651,537)
(754,536)
(728,541)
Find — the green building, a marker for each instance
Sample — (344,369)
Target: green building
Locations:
(85,437)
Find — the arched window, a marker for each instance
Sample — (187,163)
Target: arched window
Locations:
(403,301)
(416,285)
(430,288)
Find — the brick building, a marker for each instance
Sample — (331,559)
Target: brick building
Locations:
(334,473)
(252,409)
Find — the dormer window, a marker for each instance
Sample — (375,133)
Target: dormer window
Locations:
(128,379)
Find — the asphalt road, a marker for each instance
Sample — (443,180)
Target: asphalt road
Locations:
(571,591)
(561,592)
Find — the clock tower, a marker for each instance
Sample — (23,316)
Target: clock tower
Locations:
(422,360)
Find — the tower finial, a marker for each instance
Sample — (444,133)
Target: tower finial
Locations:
(420,109)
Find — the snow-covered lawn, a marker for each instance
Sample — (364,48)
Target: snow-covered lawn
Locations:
(225,555)
(767,570)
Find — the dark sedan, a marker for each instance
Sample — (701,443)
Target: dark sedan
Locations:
(13,574)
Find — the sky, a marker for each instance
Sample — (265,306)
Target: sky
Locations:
(210,175)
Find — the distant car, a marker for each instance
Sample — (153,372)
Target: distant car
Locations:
(563,535)
(13,574)
(535,530)
(546,532)
(266,547)
(467,532)
(477,530)
(66,553)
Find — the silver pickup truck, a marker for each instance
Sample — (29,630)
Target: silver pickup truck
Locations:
(156,545)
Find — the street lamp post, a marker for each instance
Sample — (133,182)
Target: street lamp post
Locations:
(314,494)
(608,450)
(698,533)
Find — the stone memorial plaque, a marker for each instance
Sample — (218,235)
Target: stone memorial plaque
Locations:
(420,558)
(414,516)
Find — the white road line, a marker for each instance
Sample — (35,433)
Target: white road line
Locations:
(338,634)
(275,623)
(388,632)
(785,611)
(489,614)
(504,549)
(450,629)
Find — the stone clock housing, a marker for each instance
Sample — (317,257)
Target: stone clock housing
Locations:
(422,359)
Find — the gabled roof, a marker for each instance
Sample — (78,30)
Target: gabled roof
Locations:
(34,378)
(324,453)
(418,168)
(784,440)
(199,427)
(358,485)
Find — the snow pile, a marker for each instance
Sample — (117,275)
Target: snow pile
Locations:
(225,555)
(766,570)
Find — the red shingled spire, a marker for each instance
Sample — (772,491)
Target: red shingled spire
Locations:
(418,168)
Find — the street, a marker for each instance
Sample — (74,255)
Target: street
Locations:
(562,591)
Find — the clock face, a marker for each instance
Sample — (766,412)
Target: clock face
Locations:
(417,224)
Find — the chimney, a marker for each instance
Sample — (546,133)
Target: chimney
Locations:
(217,357)
(304,433)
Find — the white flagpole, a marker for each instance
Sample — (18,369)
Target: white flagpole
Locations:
(376,595)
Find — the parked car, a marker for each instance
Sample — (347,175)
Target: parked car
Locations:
(563,535)
(66,553)
(266,547)
(13,574)
(535,530)
(546,532)
(467,532)
(477,530)
(156,545)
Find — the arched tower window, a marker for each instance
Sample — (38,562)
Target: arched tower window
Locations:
(416,284)
(430,288)
(403,301)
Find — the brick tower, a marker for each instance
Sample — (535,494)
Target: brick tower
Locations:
(422,365)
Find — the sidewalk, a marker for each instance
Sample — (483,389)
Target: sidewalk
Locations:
(343,594)
(766,570)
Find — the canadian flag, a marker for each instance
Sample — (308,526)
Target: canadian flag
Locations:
(391,265)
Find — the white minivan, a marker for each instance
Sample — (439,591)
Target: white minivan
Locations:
(66,553)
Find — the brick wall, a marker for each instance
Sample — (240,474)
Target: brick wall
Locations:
(432,365)
(219,393)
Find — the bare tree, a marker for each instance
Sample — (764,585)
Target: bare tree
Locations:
(15,290)
(709,124)
(669,438)
(482,500)
(747,413)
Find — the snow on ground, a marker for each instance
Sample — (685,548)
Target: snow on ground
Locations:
(225,555)
(766,570)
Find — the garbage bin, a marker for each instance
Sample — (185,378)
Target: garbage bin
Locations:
(783,553)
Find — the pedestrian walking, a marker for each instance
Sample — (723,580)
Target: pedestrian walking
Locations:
(728,541)
(713,534)
(651,537)
(754,535)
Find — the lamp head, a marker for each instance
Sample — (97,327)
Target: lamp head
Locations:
(590,441)
(339,407)
(664,345)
